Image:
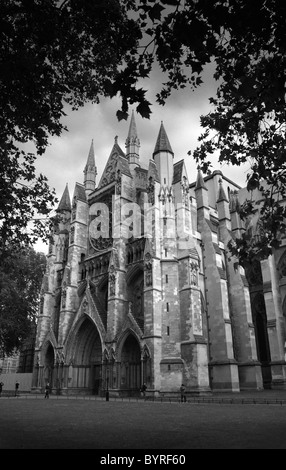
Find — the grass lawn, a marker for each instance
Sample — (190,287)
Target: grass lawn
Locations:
(80,424)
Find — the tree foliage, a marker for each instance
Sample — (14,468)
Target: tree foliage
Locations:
(246,42)
(51,54)
(74,51)
(20,283)
(25,199)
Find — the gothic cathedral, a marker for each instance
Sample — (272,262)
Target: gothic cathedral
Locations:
(139,287)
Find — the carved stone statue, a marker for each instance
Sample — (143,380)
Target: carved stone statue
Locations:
(151,191)
(118,182)
(148,270)
(112,278)
(194,273)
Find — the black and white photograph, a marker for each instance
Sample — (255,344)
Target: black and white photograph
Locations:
(142,227)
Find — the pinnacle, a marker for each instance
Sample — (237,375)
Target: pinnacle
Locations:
(132,137)
(200,180)
(132,128)
(65,202)
(90,158)
(221,193)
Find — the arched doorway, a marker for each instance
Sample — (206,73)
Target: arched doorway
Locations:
(49,362)
(130,365)
(87,358)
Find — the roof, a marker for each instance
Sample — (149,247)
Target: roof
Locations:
(79,192)
(153,171)
(162,144)
(178,171)
(216,172)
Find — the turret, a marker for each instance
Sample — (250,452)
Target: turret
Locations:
(163,156)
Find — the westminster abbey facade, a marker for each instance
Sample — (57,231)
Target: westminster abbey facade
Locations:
(140,288)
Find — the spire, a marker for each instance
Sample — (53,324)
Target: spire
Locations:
(132,128)
(221,193)
(132,143)
(162,144)
(65,202)
(90,158)
(90,171)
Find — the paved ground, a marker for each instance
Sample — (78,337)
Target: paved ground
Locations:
(27,422)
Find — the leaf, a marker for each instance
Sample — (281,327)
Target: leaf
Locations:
(199,81)
(149,31)
(109,87)
(121,115)
(155,12)
(253,182)
(143,71)
(144,109)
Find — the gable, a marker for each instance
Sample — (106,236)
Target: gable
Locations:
(116,161)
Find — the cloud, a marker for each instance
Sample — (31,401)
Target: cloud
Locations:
(66,156)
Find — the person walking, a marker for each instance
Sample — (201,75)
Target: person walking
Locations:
(16,388)
(47,390)
(143,389)
(1,388)
(183,393)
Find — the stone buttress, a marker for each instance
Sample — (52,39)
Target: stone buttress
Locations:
(239,299)
(223,365)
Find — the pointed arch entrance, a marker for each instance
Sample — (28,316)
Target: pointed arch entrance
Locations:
(130,373)
(87,358)
(262,340)
(49,360)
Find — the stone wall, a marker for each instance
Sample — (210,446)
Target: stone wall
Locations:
(9,380)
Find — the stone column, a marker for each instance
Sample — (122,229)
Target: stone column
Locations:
(275,322)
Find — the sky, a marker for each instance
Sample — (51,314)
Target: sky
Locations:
(65,158)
